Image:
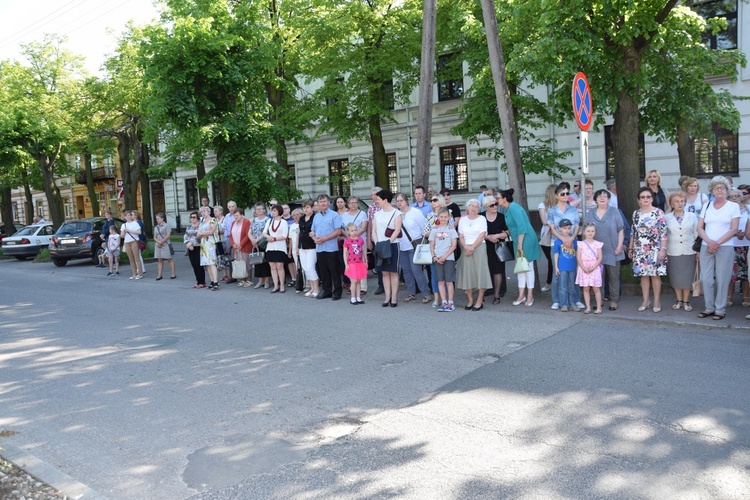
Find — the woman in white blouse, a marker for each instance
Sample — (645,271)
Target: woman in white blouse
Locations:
(473,272)
(276,232)
(682,229)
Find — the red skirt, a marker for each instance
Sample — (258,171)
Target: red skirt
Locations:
(356,271)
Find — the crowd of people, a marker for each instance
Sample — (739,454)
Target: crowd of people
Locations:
(325,247)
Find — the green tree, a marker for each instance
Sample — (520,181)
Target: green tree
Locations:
(208,67)
(617,44)
(365,54)
(41,96)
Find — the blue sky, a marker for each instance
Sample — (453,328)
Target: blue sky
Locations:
(91,26)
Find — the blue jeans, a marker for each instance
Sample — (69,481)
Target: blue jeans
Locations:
(413,273)
(568,293)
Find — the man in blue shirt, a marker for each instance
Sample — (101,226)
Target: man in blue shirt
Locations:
(419,201)
(326,228)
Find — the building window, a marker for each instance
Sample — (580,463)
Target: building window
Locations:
(338,177)
(292,175)
(392,172)
(609,153)
(15,211)
(388,95)
(454,170)
(450,77)
(66,207)
(718,156)
(108,161)
(191,194)
(216,193)
(77,162)
(726,39)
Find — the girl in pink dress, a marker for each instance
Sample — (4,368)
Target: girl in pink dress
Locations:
(589,274)
(355,261)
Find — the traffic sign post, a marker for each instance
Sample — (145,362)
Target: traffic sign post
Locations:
(583,109)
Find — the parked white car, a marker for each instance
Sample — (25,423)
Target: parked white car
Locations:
(28,241)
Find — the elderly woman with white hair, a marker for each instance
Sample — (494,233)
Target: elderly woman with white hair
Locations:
(717,226)
(473,270)
(207,234)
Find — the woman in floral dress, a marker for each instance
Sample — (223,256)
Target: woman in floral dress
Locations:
(207,234)
(648,247)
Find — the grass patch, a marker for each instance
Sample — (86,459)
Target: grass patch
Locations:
(43,256)
(176,239)
(148,253)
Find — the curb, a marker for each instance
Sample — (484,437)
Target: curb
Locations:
(48,474)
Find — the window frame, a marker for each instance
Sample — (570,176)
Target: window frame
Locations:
(716,153)
(191,194)
(457,186)
(455,87)
(392,171)
(711,40)
(343,172)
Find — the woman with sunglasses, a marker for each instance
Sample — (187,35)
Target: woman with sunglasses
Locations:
(192,242)
(437,201)
(497,232)
(555,213)
(648,248)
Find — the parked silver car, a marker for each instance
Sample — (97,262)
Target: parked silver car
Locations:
(28,241)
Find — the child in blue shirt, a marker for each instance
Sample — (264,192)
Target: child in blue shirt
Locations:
(565,268)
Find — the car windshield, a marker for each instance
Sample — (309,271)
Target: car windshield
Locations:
(27,231)
(74,227)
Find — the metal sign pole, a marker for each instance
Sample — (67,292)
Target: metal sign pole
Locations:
(584,173)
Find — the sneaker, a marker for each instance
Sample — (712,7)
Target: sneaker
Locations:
(546,288)
(442,308)
(576,308)
(555,306)
(117,273)
(110,274)
(435,303)
(451,307)
(564,309)
(579,305)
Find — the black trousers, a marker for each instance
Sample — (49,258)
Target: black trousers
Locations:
(195,260)
(329,271)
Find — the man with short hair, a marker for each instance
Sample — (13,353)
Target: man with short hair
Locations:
(419,201)
(452,207)
(227,223)
(326,228)
(576,192)
(612,188)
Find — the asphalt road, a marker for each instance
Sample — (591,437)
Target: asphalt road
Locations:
(144,389)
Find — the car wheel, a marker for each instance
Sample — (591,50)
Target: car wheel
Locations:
(59,262)
(20,257)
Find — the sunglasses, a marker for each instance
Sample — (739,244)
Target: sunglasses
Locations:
(193,216)
(493,205)
(435,200)
(576,185)
(564,193)
(647,197)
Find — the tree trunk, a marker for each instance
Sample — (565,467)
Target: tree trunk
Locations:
(504,105)
(686,152)
(625,145)
(54,199)
(379,158)
(129,173)
(140,165)
(90,184)
(426,80)
(201,172)
(146,203)
(7,210)
(29,203)
(275,98)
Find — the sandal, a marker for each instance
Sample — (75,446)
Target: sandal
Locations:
(426,299)
(705,314)
(677,305)
(410,298)
(717,317)
(613,307)
(687,306)
(496,300)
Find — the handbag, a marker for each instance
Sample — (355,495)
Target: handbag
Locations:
(697,245)
(141,244)
(697,285)
(522,265)
(239,269)
(219,247)
(256,256)
(504,250)
(171,248)
(422,254)
(389,231)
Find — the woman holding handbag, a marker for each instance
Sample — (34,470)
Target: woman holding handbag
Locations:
(525,244)
(386,229)
(192,242)
(497,234)
(162,246)
(207,233)
(262,270)
(413,225)
(130,233)
(682,229)
(241,245)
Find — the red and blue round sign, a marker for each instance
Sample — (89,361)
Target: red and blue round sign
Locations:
(583,106)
